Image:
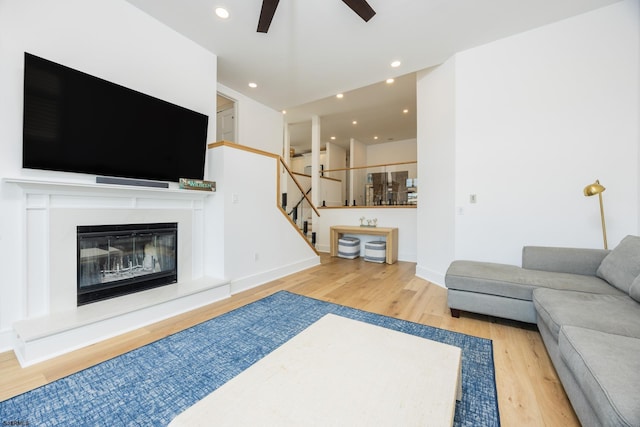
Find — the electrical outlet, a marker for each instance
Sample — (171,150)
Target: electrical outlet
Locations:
(472,198)
(234,198)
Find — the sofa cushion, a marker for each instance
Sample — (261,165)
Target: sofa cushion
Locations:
(617,314)
(515,282)
(634,290)
(607,369)
(622,265)
(563,260)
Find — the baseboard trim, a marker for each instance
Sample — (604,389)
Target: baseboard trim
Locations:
(249,282)
(323,248)
(6,338)
(434,277)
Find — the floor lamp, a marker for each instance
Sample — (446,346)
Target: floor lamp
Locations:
(592,190)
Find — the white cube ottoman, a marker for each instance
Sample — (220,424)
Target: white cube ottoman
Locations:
(348,247)
(375,251)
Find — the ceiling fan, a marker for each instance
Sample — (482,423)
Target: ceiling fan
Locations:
(361,7)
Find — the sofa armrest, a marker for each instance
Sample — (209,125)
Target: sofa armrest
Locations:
(563,260)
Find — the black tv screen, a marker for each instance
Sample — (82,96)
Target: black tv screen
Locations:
(75,122)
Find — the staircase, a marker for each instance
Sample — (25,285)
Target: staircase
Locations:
(300,215)
(296,204)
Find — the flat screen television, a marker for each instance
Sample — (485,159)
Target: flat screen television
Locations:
(75,122)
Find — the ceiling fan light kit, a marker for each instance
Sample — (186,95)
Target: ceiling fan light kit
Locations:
(360,7)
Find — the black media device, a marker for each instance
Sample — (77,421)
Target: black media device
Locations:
(75,122)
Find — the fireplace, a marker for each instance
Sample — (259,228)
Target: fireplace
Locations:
(115,260)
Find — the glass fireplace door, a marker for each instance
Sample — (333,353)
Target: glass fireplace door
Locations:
(115,260)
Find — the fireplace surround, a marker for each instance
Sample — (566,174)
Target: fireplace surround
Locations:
(115,260)
(47,319)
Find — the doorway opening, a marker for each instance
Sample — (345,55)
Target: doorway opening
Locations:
(226,119)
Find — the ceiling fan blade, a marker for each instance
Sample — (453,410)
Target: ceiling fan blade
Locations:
(362,8)
(266,14)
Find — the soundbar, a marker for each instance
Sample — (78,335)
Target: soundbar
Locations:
(129,181)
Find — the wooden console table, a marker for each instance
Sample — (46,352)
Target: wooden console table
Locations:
(391,235)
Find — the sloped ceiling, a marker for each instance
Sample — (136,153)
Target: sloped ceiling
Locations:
(317,48)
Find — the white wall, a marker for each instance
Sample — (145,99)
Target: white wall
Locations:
(336,159)
(299,164)
(392,152)
(258,126)
(537,116)
(214,225)
(357,157)
(259,242)
(395,152)
(436,171)
(112,40)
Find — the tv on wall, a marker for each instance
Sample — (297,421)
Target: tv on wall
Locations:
(75,122)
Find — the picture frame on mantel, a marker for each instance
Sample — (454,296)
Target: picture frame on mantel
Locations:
(197,184)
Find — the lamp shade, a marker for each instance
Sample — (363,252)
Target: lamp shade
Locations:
(593,189)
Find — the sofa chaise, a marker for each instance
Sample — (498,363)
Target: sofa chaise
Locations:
(586,304)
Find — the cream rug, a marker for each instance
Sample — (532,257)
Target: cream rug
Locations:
(339,371)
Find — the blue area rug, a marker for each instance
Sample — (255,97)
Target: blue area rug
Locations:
(153,384)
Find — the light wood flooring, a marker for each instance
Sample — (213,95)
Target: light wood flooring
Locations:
(529,392)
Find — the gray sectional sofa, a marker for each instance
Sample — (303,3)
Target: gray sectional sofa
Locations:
(586,304)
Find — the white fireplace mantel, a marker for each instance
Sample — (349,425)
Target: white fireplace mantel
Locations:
(34,186)
(51,323)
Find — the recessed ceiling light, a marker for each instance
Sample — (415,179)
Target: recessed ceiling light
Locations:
(355,122)
(253,85)
(375,137)
(389,81)
(405,111)
(396,64)
(284,111)
(340,96)
(333,137)
(222,12)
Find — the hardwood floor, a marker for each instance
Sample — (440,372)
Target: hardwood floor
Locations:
(529,392)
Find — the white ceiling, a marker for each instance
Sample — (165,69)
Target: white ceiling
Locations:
(317,48)
(377,109)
